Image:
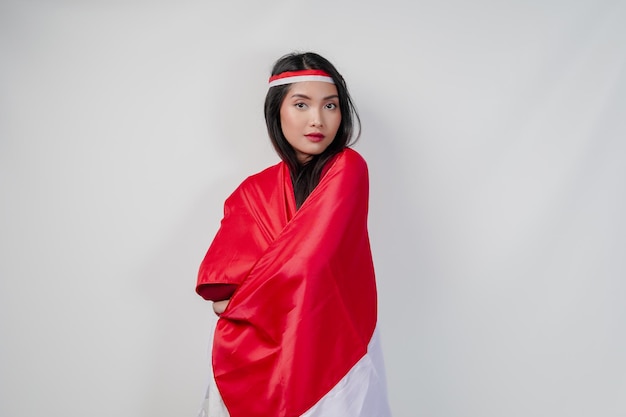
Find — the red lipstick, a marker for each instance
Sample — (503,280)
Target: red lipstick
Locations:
(315,137)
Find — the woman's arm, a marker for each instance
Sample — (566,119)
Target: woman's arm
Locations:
(220,306)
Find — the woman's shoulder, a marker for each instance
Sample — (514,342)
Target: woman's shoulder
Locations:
(352,160)
(268,175)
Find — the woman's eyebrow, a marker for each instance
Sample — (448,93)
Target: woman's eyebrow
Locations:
(304,96)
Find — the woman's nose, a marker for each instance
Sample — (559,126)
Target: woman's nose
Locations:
(316,118)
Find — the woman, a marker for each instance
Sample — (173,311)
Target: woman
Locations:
(290,271)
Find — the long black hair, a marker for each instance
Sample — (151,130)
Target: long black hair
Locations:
(305,177)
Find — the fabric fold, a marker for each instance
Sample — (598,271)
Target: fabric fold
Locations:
(304,310)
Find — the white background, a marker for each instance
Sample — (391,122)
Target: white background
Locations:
(495,135)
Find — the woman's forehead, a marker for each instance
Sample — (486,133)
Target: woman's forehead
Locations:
(312,89)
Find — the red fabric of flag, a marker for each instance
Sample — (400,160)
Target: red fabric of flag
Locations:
(304,309)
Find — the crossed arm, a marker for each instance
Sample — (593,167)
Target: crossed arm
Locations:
(220,306)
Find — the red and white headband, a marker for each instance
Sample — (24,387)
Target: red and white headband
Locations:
(289,77)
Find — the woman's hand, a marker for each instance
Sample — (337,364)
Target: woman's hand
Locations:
(220,306)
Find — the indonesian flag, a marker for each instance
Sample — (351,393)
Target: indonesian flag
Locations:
(298,336)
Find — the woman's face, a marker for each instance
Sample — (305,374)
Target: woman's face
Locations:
(310,117)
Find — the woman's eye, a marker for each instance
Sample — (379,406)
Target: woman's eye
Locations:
(331,106)
(300,105)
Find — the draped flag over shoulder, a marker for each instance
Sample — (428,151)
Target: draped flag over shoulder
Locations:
(304,312)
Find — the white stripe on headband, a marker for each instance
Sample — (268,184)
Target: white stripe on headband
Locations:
(300,76)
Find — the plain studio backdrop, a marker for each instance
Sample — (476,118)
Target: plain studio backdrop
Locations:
(495,133)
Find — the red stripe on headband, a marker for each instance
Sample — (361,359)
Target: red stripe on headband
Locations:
(288,74)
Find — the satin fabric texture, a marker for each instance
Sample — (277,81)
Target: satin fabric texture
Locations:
(304,309)
(361,393)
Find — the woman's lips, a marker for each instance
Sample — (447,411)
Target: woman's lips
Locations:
(315,137)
